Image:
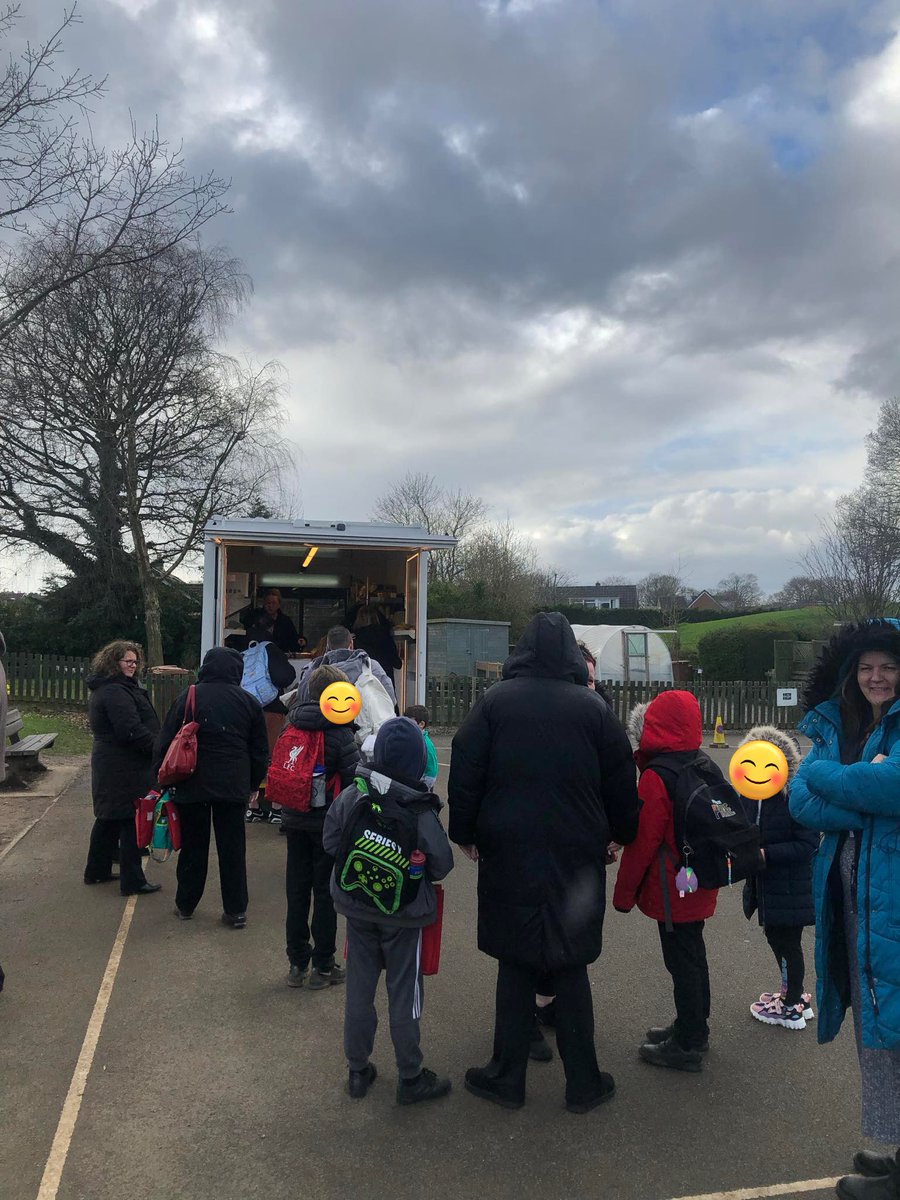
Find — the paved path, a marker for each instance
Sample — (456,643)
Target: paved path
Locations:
(213,1081)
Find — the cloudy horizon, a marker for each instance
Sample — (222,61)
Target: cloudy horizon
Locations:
(624,269)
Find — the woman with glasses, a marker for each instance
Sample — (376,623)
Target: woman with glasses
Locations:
(124,724)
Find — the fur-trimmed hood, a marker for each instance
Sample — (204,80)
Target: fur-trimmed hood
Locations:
(784,742)
(635,723)
(840,655)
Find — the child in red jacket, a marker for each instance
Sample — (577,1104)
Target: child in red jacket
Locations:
(668,724)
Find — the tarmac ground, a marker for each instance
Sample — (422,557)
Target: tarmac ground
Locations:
(147,1058)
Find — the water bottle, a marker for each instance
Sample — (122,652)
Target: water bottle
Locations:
(416,865)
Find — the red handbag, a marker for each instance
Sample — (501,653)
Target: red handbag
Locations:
(180,761)
(144,814)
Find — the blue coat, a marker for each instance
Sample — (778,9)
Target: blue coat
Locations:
(834,797)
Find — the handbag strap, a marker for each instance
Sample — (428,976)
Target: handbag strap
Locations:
(189,707)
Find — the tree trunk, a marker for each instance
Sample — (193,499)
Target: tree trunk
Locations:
(150,589)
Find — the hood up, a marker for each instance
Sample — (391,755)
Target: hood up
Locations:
(669,723)
(778,737)
(221,665)
(547,650)
(840,656)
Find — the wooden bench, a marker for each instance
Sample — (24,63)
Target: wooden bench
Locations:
(25,751)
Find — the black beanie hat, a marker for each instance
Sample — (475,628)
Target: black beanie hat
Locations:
(400,749)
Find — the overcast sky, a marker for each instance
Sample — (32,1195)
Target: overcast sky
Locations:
(627,269)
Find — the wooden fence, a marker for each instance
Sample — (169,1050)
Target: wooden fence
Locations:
(57,680)
(739,703)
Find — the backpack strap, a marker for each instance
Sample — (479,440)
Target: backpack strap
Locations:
(664,884)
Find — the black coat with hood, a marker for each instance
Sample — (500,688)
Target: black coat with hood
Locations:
(541,779)
(341,761)
(781,892)
(232,746)
(124,724)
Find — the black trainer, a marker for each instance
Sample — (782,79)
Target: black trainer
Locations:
(662,1033)
(606,1092)
(865,1162)
(670,1054)
(864,1187)
(426,1086)
(482,1082)
(360,1081)
(235,920)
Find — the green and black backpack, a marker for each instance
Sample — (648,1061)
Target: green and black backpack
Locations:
(373,861)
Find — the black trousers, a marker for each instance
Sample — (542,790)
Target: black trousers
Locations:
(106,838)
(514,1022)
(227,820)
(684,953)
(306,878)
(785,941)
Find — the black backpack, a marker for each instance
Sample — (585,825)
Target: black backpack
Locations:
(712,831)
(373,860)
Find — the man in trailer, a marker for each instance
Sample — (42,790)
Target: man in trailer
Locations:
(270,624)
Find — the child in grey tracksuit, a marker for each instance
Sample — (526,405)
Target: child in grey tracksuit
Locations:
(376,940)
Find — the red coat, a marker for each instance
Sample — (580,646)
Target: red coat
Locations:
(671,722)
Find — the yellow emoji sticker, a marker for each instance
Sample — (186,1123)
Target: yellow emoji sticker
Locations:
(340,703)
(758,770)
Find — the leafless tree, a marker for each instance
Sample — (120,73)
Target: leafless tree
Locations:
(122,428)
(418,499)
(739,591)
(664,591)
(800,591)
(857,558)
(69,207)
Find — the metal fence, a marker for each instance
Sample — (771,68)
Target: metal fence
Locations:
(57,680)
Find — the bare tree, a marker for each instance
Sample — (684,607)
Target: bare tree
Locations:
(857,558)
(123,429)
(663,591)
(68,206)
(800,591)
(739,591)
(418,499)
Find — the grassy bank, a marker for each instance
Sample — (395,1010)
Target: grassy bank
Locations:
(814,621)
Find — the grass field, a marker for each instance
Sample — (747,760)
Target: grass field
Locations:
(815,621)
(74,735)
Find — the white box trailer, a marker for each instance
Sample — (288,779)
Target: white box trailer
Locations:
(322,569)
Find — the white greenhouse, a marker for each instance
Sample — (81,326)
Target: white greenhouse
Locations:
(627,653)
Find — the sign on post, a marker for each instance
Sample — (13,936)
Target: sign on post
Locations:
(786,697)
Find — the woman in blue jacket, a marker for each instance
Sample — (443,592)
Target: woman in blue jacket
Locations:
(848,787)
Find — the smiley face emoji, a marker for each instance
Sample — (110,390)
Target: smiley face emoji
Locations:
(758,770)
(340,703)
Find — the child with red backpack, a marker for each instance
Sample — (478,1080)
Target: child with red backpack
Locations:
(313,760)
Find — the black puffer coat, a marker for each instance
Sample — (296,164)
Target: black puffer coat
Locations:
(341,760)
(124,724)
(781,893)
(232,746)
(542,778)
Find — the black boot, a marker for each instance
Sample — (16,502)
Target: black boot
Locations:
(539,1048)
(486,1084)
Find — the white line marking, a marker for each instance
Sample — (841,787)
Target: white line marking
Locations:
(62,1140)
(778,1189)
(26,830)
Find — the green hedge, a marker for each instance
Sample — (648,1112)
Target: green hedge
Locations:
(742,653)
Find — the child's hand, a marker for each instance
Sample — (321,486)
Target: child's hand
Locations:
(880,758)
(470,852)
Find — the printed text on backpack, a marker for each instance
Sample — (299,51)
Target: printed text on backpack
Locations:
(293,780)
(373,861)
